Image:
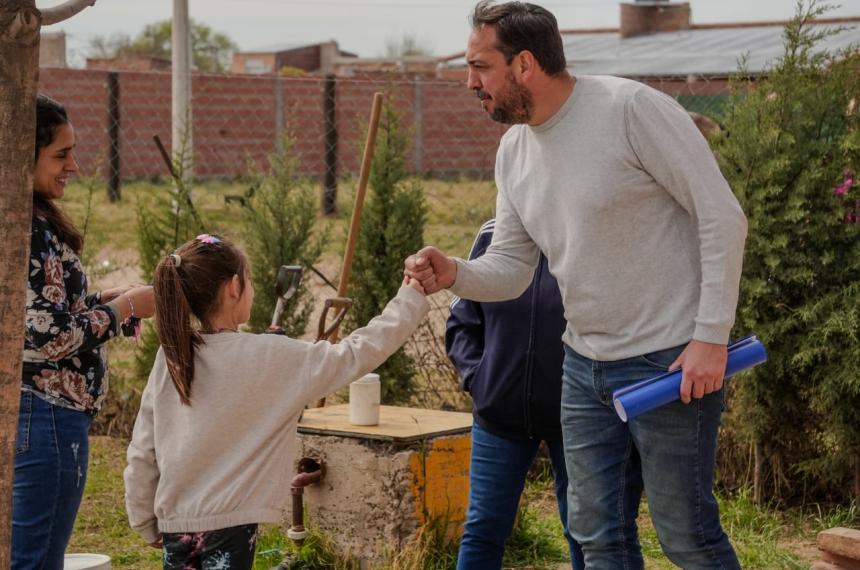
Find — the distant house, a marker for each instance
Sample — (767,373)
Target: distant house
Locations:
(313,58)
(52,49)
(407,65)
(657,43)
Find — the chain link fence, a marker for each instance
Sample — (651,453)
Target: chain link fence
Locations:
(237,119)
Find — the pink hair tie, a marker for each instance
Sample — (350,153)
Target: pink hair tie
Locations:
(210,239)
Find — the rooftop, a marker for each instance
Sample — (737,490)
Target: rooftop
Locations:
(712,50)
(701,50)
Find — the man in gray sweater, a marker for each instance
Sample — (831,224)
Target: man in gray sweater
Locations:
(611,180)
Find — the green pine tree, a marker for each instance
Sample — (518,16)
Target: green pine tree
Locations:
(278,225)
(170,220)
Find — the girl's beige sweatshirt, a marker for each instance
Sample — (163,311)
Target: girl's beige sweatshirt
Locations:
(227,459)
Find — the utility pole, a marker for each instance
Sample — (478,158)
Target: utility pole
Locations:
(20,23)
(181,89)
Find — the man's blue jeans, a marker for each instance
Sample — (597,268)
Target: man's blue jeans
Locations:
(497,476)
(51,457)
(669,452)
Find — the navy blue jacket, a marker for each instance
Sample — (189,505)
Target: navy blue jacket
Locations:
(509,355)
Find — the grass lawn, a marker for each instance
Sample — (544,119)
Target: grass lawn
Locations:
(765,539)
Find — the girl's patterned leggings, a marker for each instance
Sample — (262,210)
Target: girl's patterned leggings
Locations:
(224,549)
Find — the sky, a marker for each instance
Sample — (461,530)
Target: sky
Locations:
(365,27)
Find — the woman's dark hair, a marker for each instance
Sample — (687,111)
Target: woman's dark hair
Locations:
(523,26)
(187,284)
(49,116)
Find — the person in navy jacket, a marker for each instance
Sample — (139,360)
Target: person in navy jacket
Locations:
(509,356)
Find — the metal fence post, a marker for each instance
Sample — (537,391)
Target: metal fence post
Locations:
(418,110)
(329,197)
(279,115)
(113,118)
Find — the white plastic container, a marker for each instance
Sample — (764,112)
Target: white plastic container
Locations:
(364,396)
(86,562)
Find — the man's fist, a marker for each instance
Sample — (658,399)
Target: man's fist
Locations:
(432,268)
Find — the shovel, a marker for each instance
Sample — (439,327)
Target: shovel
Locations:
(342,304)
(286,285)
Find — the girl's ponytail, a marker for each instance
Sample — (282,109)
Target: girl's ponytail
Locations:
(187,284)
(173,323)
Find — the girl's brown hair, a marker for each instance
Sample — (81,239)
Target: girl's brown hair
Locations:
(187,284)
(49,116)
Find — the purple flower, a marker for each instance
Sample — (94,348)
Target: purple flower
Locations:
(847,183)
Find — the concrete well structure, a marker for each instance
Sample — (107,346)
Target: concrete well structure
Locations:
(383,483)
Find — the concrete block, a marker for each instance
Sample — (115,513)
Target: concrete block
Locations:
(840,541)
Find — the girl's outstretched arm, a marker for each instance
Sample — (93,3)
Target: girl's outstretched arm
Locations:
(331,366)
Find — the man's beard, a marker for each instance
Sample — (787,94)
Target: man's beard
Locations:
(513,105)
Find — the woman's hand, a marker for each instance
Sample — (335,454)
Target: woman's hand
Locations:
(136,302)
(109,295)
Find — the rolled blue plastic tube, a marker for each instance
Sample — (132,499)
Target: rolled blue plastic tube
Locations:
(652,393)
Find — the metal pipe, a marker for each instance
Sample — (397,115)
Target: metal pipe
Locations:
(310,471)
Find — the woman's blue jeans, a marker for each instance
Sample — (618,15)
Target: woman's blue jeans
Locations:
(668,452)
(51,453)
(497,475)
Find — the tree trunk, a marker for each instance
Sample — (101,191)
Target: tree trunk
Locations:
(757,471)
(19,71)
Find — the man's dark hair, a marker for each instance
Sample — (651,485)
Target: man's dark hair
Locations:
(523,26)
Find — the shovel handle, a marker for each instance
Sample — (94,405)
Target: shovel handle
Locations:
(342,305)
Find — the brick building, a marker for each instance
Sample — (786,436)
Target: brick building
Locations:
(52,49)
(313,58)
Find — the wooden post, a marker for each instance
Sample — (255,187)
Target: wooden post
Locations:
(355,222)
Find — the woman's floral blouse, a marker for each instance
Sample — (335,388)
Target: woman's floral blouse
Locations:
(64,360)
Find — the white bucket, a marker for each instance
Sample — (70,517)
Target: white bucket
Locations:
(86,562)
(364,396)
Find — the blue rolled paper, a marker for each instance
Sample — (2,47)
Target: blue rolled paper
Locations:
(658,391)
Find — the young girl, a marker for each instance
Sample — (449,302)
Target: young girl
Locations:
(213,445)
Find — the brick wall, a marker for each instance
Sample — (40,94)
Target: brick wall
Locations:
(84,93)
(238,118)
